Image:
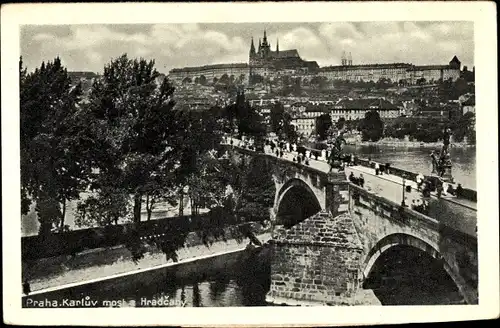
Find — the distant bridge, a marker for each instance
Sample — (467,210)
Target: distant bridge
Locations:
(329,233)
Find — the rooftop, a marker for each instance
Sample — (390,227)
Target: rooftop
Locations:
(366,66)
(365,103)
(207,67)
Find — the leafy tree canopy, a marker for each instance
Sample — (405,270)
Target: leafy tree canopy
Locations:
(55,165)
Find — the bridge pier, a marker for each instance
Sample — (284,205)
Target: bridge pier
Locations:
(316,262)
(337,231)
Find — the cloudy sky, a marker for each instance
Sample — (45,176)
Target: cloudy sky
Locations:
(89,47)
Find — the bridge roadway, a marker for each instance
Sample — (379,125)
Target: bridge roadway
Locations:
(458,214)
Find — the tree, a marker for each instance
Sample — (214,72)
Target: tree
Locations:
(249,188)
(55,166)
(201,136)
(249,122)
(372,127)
(256,79)
(323,124)
(285,80)
(256,193)
(463,127)
(340,123)
(224,79)
(319,82)
(290,134)
(276,117)
(134,122)
(202,80)
(421,81)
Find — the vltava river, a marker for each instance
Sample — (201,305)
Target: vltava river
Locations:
(419,160)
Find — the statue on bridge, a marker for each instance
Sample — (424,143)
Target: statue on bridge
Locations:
(335,158)
(442,164)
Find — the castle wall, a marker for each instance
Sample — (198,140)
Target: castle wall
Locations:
(395,73)
(210,72)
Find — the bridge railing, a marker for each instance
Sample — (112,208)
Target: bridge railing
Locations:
(468,194)
(394,211)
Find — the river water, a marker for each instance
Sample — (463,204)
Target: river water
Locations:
(419,160)
(401,276)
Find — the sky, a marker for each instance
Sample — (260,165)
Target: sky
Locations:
(90,47)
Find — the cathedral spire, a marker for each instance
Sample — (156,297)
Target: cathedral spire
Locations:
(265,37)
(277,45)
(260,46)
(252,48)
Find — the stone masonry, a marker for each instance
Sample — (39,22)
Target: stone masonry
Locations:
(316,262)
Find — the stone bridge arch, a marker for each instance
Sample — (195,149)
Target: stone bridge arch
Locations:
(401,239)
(297,200)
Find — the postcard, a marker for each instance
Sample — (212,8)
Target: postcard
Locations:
(249,163)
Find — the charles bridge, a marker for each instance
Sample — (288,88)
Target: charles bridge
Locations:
(328,233)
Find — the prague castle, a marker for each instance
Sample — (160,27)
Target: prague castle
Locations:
(265,62)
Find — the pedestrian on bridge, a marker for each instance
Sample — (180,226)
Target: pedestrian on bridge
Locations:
(351,177)
(419,180)
(445,188)
(361,181)
(439,189)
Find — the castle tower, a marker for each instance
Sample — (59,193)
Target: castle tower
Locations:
(350,59)
(343,59)
(455,63)
(252,48)
(277,46)
(266,47)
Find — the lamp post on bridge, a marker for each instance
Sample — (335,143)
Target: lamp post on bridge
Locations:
(403,204)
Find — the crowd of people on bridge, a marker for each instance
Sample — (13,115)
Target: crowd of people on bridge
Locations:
(359,181)
(420,205)
(301,154)
(336,159)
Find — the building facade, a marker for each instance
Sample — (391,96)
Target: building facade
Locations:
(238,72)
(469,105)
(355,109)
(305,115)
(396,72)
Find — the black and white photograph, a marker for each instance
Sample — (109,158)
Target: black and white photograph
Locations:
(254,162)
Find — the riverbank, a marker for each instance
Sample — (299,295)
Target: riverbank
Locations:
(104,263)
(409,144)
